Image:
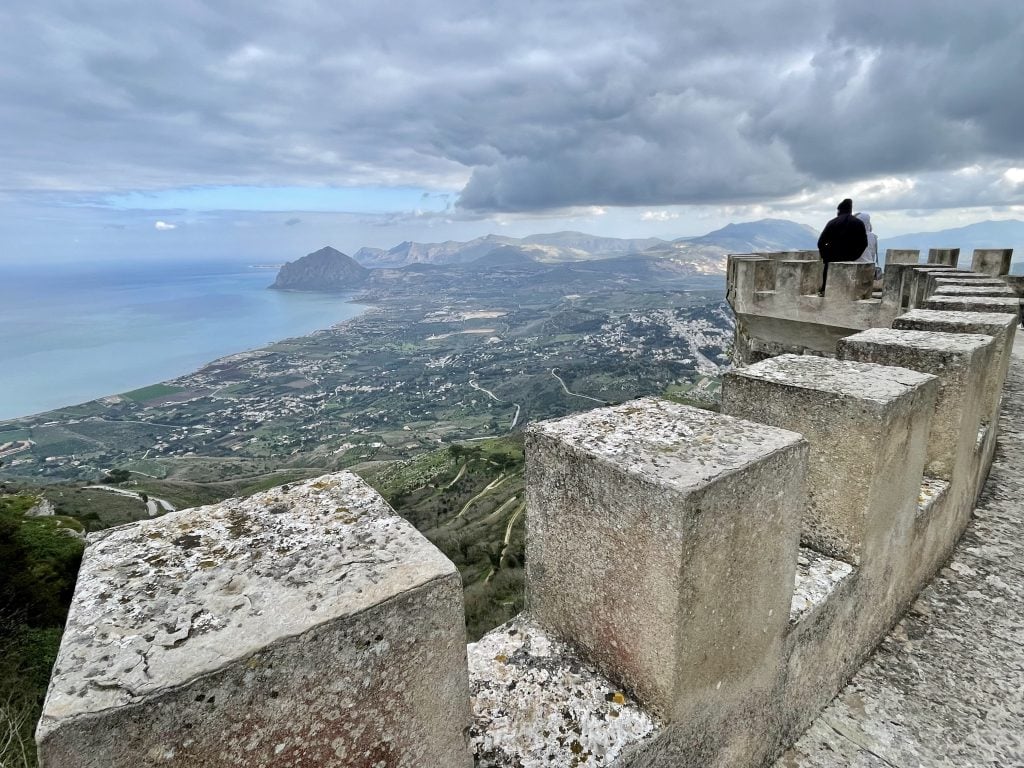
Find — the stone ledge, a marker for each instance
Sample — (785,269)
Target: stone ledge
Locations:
(817,577)
(537,703)
(933,491)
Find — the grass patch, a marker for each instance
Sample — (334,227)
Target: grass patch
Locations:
(27,655)
(39,562)
(152,392)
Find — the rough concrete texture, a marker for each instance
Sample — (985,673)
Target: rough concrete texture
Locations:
(962,278)
(945,687)
(1016,282)
(972,289)
(661,541)
(991,261)
(797,278)
(867,426)
(902,256)
(1000,327)
(817,576)
(959,361)
(537,703)
(967,275)
(918,280)
(932,491)
(944,256)
(1008,304)
(304,626)
(849,281)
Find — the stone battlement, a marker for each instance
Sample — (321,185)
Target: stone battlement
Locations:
(699,585)
(774,295)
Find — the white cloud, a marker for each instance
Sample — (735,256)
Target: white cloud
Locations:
(163,226)
(658,216)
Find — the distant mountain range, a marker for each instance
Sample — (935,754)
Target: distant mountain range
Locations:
(549,248)
(573,257)
(579,258)
(560,247)
(984,234)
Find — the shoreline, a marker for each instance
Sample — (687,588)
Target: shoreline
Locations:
(366,307)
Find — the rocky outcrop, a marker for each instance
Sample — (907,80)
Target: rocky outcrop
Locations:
(325,270)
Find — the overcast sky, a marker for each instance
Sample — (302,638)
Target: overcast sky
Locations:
(134,129)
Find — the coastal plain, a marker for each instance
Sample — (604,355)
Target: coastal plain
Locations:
(424,395)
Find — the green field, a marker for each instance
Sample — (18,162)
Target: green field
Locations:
(152,392)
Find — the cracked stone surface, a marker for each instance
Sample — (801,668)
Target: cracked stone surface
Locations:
(946,687)
(536,703)
(164,601)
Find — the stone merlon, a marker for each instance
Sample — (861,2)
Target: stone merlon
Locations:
(191,635)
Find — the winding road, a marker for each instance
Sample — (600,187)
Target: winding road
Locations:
(495,398)
(574,394)
(152,503)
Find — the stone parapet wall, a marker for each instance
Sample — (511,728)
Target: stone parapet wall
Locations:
(699,585)
(778,310)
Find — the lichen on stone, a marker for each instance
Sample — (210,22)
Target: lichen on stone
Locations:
(537,703)
(817,576)
(163,601)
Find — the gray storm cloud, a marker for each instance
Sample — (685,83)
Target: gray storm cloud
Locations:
(526,107)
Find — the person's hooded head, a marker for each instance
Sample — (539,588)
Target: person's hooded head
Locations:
(866,218)
(846,206)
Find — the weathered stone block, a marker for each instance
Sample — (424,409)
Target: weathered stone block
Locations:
(867,426)
(1007,304)
(944,256)
(661,541)
(1015,283)
(902,256)
(307,625)
(797,278)
(992,261)
(849,281)
(918,280)
(751,275)
(966,278)
(959,361)
(1001,327)
(972,290)
(897,280)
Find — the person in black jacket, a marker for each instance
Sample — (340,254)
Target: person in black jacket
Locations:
(843,239)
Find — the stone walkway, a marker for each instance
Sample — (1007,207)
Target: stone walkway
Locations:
(946,687)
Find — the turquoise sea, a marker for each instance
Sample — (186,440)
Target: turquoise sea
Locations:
(74,333)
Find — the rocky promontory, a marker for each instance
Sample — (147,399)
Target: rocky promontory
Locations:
(325,270)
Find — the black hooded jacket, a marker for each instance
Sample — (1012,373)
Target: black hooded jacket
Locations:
(843,239)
